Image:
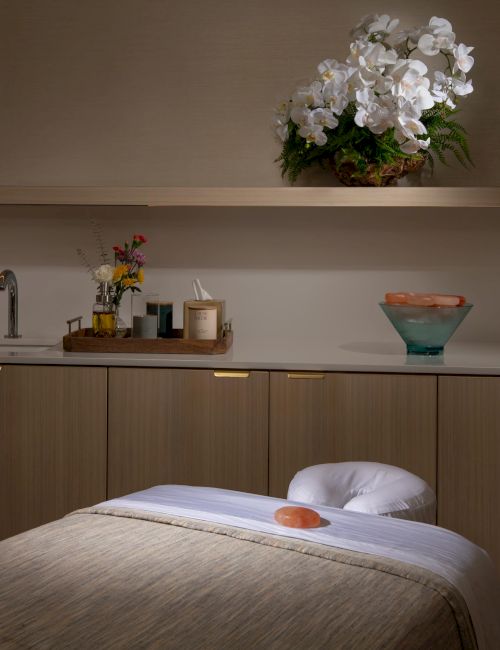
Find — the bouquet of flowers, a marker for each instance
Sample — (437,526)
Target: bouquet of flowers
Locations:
(127,271)
(379,114)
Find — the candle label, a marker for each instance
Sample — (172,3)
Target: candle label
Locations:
(203,323)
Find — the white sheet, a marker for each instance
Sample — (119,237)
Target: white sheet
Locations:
(449,555)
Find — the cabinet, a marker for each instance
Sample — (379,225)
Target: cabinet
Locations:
(52,443)
(320,418)
(469,459)
(63,428)
(197,427)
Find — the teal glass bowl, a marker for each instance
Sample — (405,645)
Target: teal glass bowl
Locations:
(425,330)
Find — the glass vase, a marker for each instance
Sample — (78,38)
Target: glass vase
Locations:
(121,325)
(104,321)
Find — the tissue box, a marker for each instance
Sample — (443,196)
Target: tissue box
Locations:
(204,319)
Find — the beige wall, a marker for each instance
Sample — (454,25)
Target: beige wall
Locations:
(284,273)
(170,92)
(149,92)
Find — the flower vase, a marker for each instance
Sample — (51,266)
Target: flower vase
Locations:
(104,312)
(121,325)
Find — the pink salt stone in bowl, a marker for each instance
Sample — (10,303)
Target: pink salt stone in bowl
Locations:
(424,299)
(297,517)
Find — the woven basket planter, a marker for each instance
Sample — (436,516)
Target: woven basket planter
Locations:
(375,175)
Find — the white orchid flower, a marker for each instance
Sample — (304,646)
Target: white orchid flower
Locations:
(280,120)
(375,55)
(356,49)
(332,89)
(332,70)
(431,44)
(463,61)
(370,55)
(438,36)
(376,113)
(408,124)
(369,78)
(365,96)
(313,133)
(309,95)
(441,89)
(412,145)
(376,25)
(336,101)
(408,127)
(461,86)
(361,29)
(325,118)
(301,115)
(401,66)
(372,59)
(422,98)
(383,24)
(440,25)
(411,84)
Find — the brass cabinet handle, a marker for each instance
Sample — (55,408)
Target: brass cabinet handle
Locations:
(231,374)
(305,375)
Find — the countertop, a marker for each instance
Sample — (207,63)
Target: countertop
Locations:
(279,354)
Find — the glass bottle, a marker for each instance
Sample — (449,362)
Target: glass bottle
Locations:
(104,311)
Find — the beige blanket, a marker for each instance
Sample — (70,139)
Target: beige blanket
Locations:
(102,579)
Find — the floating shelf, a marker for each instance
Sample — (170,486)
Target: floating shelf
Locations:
(364,197)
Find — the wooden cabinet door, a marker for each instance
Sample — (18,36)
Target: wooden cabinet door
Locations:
(469,459)
(321,418)
(187,426)
(52,443)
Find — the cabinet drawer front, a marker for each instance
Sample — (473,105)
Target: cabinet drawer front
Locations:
(52,443)
(469,459)
(377,417)
(187,426)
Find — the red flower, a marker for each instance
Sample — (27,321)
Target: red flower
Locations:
(140,238)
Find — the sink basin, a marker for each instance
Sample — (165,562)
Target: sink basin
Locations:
(22,349)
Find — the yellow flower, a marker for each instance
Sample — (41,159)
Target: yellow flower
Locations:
(119,272)
(128,282)
(140,275)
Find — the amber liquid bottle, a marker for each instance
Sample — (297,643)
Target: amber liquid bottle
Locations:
(104,312)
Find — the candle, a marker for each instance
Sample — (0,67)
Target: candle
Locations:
(145,327)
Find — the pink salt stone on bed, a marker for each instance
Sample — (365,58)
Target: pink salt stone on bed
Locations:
(297,517)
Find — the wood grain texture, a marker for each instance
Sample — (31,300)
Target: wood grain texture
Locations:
(187,426)
(469,459)
(447,197)
(383,418)
(52,443)
(84,341)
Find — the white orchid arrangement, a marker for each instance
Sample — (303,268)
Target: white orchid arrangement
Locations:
(381,109)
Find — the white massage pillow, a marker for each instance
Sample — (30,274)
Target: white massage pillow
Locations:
(365,487)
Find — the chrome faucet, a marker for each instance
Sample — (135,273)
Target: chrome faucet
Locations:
(8,281)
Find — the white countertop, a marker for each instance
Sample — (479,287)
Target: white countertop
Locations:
(280,354)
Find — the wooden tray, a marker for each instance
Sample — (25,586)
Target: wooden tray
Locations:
(83,340)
